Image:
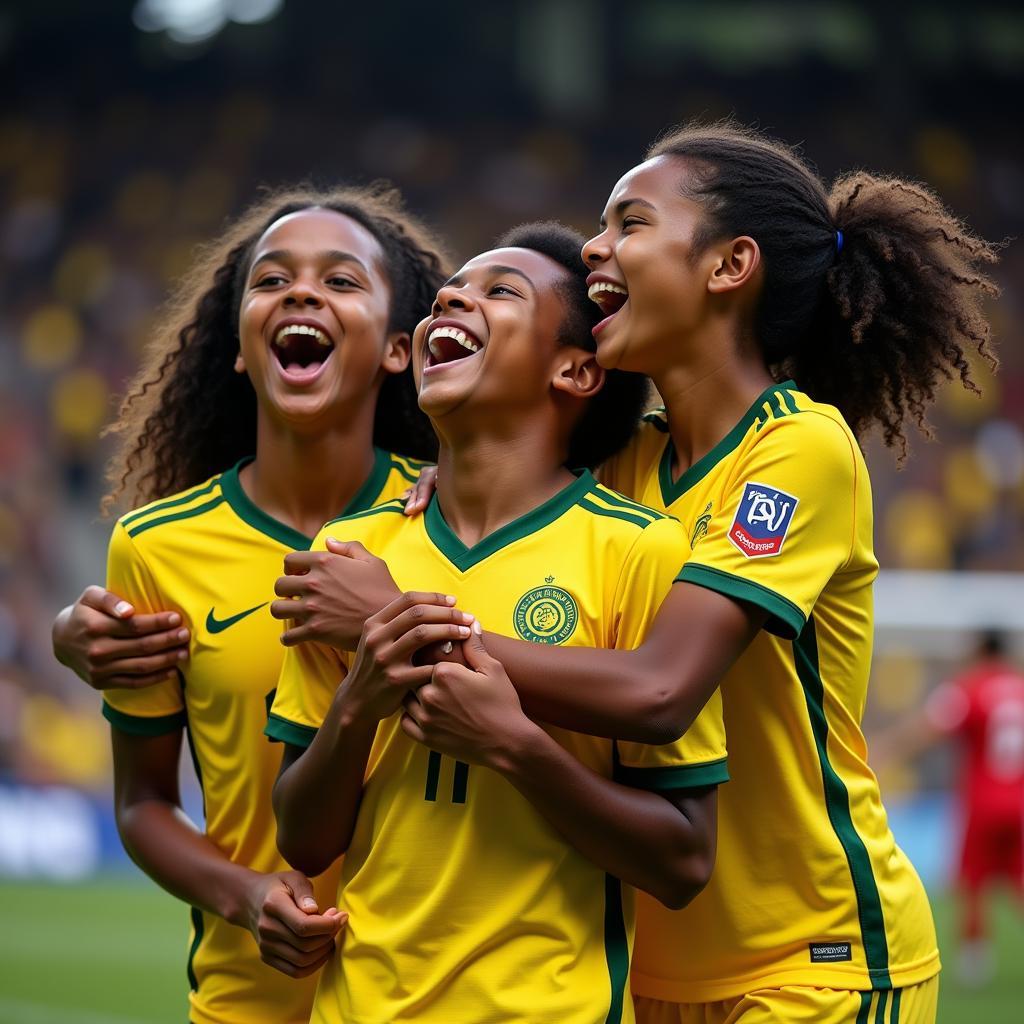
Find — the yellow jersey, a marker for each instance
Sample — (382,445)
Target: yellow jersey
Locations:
(465,904)
(809,887)
(212,556)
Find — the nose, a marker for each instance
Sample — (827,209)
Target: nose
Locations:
(303,292)
(597,250)
(453,297)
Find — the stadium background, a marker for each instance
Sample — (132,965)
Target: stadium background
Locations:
(131,130)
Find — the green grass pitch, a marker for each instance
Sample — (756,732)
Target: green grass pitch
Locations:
(113,952)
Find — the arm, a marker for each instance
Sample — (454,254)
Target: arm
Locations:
(107,644)
(693,641)
(278,909)
(663,844)
(317,795)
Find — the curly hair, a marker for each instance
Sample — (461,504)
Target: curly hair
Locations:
(188,415)
(873,291)
(612,415)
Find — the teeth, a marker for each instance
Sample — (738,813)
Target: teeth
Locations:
(302,329)
(604,286)
(454,333)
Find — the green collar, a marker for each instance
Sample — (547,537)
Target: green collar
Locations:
(464,558)
(248,512)
(673,490)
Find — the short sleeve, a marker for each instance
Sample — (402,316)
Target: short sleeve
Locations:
(310,675)
(698,758)
(151,710)
(786,523)
(309,678)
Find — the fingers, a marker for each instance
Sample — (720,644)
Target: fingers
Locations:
(283,609)
(423,634)
(293,971)
(350,549)
(422,491)
(285,919)
(409,600)
(143,648)
(475,652)
(411,729)
(104,601)
(291,586)
(298,562)
(146,625)
(122,682)
(302,891)
(156,665)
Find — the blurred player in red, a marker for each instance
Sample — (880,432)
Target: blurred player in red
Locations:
(982,712)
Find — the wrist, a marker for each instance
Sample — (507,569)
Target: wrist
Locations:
(351,711)
(514,751)
(236,899)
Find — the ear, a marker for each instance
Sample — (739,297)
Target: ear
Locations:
(577,373)
(239,363)
(397,351)
(736,263)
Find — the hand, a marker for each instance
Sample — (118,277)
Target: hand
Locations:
(418,496)
(104,642)
(292,935)
(332,593)
(471,712)
(383,670)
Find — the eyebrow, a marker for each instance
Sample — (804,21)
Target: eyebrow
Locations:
(619,208)
(326,256)
(495,270)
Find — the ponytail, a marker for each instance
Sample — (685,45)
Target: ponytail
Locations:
(872,292)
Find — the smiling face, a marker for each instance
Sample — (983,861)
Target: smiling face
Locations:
(491,341)
(313,319)
(648,274)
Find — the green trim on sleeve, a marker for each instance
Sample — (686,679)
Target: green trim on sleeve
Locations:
(676,776)
(785,618)
(283,731)
(197,937)
(141,725)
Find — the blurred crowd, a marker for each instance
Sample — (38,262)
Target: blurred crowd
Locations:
(104,203)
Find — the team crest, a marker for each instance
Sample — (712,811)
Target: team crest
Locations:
(700,528)
(546,615)
(762,520)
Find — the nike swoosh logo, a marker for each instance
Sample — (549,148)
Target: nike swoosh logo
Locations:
(215,625)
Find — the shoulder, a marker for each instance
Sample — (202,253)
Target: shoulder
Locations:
(609,504)
(810,437)
(633,530)
(174,513)
(370,526)
(407,467)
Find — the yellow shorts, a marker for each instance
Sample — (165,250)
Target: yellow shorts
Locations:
(799,1004)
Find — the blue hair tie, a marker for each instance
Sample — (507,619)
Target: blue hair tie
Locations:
(839,242)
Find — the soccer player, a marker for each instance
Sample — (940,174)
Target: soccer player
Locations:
(284,361)
(484,856)
(981,711)
(727,271)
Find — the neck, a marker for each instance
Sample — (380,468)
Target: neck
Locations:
(304,480)
(489,478)
(705,399)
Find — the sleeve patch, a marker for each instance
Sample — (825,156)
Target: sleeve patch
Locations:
(762,520)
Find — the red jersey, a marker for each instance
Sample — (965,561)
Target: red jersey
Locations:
(985,708)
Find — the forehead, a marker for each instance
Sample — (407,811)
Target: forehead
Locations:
(655,180)
(544,273)
(320,230)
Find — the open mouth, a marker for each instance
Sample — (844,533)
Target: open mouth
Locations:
(301,350)
(449,345)
(610,297)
